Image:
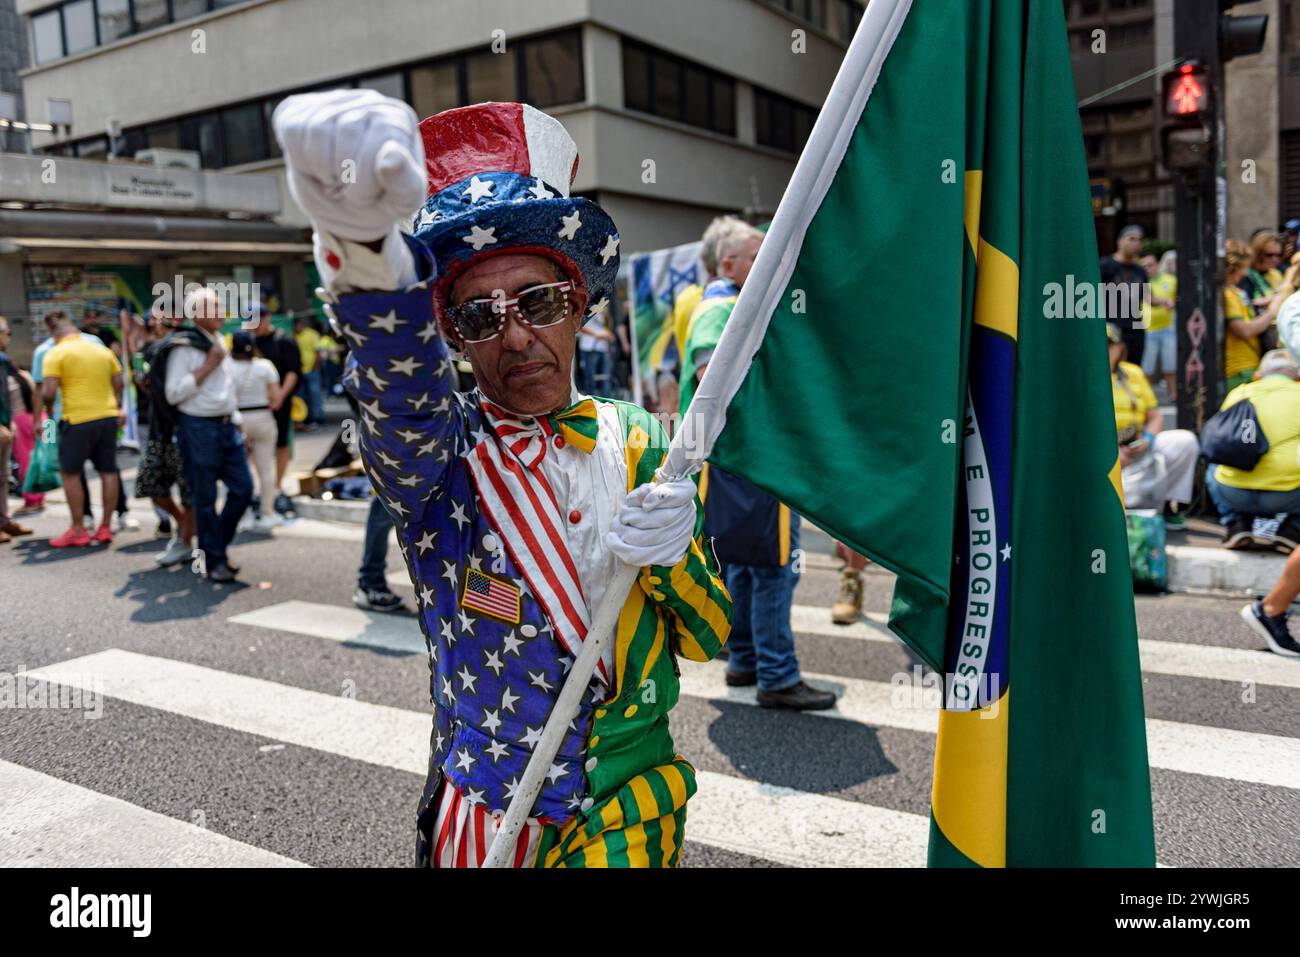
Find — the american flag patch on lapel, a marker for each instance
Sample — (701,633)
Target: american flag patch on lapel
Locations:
(490,595)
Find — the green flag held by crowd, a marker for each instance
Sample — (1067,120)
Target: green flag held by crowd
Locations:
(889,373)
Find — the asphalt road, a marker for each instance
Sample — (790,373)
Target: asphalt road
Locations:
(224,741)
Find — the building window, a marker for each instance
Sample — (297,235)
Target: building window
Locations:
(203,135)
(184,9)
(812,11)
(435,88)
(47,37)
(636,78)
(132,142)
(114,19)
(389,84)
(243,134)
(268,110)
(666,87)
(491,76)
(1290,174)
(79,26)
(552,70)
(846,15)
(163,136)
(543,71)
(675,89)
(150,14)
(780,122)
(90,23)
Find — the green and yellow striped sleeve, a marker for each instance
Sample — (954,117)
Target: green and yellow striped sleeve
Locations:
(692,590)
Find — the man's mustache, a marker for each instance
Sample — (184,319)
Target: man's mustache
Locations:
(512,359)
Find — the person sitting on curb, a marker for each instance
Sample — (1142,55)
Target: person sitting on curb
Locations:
(1272,487)
(1143,439)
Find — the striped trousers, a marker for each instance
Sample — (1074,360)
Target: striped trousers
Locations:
(640,825)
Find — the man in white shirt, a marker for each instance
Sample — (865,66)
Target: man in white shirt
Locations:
(202,388)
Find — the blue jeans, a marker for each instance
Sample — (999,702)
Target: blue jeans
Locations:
(761,638)
(213,450)
(594,368)
(374,559)
(313,397)
(1234,503)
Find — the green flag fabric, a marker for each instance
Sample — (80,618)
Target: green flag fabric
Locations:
(889,372)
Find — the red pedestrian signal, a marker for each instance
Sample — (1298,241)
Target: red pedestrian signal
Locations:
(1186,92)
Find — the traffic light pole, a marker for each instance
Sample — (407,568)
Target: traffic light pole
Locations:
(1199,203)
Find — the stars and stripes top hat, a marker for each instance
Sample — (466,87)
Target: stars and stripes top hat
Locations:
(499,179)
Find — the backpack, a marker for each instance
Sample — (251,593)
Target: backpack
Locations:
(162,414)
(1233,437)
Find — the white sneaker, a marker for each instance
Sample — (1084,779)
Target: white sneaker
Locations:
(125,523)
(245,522)
(177,551)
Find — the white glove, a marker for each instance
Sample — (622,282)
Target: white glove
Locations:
(354,159)
(655,525)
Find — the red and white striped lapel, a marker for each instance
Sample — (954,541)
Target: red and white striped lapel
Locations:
(520,504)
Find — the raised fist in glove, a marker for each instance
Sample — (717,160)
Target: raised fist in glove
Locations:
(655,525)
(355,160)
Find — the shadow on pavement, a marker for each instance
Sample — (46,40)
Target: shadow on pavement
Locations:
(168,594)
(830,755)
(37,551)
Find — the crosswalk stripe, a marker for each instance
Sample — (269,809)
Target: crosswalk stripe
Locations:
(1158,657)
(47,822)
(801,829)
(349,625)
(1172,746)
(776,823)
(312,528)
(376,734)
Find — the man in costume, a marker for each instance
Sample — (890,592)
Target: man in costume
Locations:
(514,502)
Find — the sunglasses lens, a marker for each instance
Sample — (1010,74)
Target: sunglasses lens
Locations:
(542,307)
(475,321)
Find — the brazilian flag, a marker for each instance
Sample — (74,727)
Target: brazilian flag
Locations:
(890,373)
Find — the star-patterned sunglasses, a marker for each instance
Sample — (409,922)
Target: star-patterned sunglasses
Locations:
(479,320)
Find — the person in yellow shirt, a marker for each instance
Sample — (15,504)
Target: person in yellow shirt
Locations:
(1142,437)
(309,349)
(1273,485)
(1264,275)
(329,363)
(89,378)
(1243,327)
(1160,356)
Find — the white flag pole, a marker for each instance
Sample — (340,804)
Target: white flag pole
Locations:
(635,364)
(730,362)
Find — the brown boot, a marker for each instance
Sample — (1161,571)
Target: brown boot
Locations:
(848,606)
(13,529)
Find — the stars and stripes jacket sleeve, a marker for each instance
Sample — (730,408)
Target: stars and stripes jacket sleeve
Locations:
(401,374)
(692,592)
